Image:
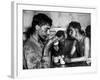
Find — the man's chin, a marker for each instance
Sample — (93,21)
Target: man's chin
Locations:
(43,39)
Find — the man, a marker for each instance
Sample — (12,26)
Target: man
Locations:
(37,36)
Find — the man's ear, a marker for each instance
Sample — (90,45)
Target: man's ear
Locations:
(37,27)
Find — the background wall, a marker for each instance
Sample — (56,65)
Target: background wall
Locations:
(5,39)
(60,19)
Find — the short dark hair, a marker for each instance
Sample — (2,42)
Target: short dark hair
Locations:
(39,19)
(60,33)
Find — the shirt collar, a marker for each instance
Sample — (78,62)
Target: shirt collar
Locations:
(37,41)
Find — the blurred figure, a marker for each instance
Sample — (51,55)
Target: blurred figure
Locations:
(69,41)
(88,34)
(80,45)
(88,31)
(56,49)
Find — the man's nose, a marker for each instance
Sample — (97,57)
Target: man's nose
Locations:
(70,33)
(48,32)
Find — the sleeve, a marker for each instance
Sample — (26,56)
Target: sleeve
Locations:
(32,60)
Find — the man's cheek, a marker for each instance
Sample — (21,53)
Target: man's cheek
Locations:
(43,32)
(73,34)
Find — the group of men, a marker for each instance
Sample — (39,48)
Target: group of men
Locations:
(41,52)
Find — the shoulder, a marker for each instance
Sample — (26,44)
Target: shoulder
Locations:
(86,39)
(28,47)
(30,44)
(86,42)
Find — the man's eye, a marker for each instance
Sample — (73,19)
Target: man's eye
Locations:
(71,32)
(47,30)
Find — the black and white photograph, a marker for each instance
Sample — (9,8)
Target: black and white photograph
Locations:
(50,40)
(53,40)
(56,39)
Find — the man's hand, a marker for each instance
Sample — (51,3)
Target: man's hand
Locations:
(45,62)
(52,40)
(48,45)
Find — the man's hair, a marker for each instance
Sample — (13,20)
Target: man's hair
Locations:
(39,19)
(60,33)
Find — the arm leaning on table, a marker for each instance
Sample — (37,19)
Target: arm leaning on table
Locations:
(83,58)
(86,53)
